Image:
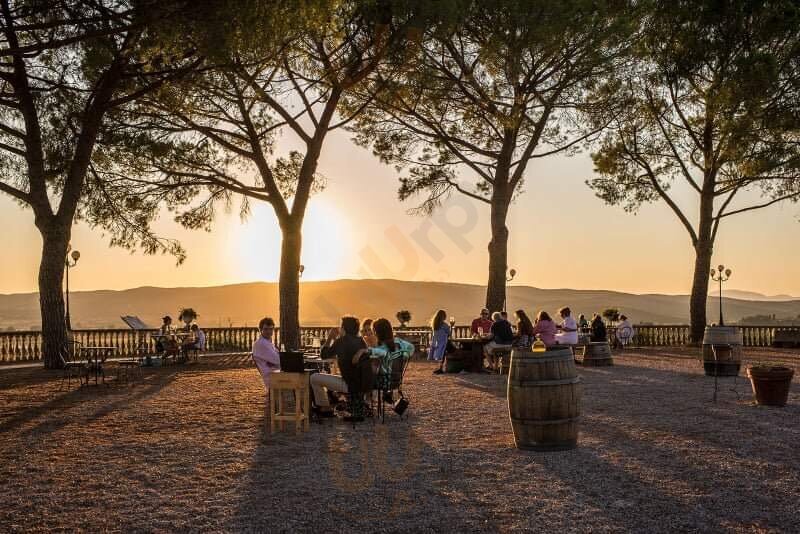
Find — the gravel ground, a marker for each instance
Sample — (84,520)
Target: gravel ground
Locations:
(189,449)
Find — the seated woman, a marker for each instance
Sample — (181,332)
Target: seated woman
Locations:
(545,328)
(389,348)
(525,333)
(598,329)
(368,333)
(195,342)
(569,328)
(624,331)
(440,334)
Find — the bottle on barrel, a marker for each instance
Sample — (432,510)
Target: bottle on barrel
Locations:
(538,345)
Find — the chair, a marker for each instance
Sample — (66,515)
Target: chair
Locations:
(297,383)
(71,365)
(386,384)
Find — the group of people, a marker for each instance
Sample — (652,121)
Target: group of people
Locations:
(168,343)
(502,336)
(364,352)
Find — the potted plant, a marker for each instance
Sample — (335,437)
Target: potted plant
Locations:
(404,316)
(187,315)
(770,383)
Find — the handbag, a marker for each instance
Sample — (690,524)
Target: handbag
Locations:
(400,405)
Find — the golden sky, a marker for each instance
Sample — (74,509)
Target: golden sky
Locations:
(562,236)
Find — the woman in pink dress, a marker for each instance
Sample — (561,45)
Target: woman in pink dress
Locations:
(545,328)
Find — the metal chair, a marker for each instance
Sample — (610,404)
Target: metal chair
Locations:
(386,384)
(71,365)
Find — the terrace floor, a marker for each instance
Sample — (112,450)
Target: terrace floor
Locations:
(188,449)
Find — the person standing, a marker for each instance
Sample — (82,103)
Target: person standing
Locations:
(265,355)
(440,334)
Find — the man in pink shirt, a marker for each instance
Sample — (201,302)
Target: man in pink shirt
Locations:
(264,352)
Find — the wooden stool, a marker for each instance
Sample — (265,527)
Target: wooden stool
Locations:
(297,383)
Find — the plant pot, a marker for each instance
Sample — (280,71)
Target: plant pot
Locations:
(770,384)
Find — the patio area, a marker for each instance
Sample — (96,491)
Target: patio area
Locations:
(189,448)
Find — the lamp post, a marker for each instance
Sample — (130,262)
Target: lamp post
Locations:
(511,274)
(74,256)
(721,274)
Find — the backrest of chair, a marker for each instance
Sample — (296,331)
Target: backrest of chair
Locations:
(70,351)
(399,366)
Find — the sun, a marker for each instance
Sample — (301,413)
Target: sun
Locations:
(253,247)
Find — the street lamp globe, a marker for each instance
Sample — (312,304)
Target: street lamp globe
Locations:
(76,255)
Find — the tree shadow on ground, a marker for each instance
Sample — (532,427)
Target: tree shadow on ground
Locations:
(337,478)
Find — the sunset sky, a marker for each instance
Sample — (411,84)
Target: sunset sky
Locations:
(562,236)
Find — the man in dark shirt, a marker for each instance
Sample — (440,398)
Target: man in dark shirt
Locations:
(343,345)
(502,339)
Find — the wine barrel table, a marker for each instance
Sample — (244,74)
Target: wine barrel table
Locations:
(722,351)
(544,394)
(597,354)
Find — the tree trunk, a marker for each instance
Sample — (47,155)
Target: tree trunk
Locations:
(55,241)
(498,254)
(289,285)
(704,249)
(699,296)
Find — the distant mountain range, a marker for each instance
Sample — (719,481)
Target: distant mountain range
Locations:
(752,295)
(322,303)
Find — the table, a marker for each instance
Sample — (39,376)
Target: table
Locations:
(96,356)
(470,351)
(326,365)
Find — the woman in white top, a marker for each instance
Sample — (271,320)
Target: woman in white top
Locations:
(569,328)
(624,331)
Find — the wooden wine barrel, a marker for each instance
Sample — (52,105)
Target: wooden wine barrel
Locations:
(722,351)
(597,354)
(544,394)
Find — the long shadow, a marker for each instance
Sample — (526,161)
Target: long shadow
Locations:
(336,478)
(128,397)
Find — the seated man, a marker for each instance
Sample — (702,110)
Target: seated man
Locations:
(342,343)
(264,352)
(502,339)
(569,328)
(482,325)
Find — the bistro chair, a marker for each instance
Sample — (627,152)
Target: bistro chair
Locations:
(72,366)
(386,384)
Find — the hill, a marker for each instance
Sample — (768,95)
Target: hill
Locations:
(323,302)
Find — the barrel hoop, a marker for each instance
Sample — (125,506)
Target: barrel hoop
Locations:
(536,360)
(561,382)
(546,421)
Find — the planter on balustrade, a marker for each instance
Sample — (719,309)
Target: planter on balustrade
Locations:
(722,351)
(770,384)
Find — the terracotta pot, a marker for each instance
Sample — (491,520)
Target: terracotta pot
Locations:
(770,384)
